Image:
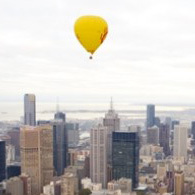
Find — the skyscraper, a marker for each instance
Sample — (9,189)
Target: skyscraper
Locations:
(111,119)
(164,133)
(60,116)
(153,135)
(60,146)
(2,160)
(125,156)
(150,115)
(193,129)
(179,183)
(174,122)
(15,140)
(98,155)
(30,109)
(180,142)
(37,155)
(112,122)
(73,134)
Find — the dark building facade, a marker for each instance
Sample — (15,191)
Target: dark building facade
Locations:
(60,116)
(157,121)
(2,161)
(30,109)
(125,156)
(164,133)
(13,171)
(193,129)
(15,140)
(150,115)
(60,147)
(175,122)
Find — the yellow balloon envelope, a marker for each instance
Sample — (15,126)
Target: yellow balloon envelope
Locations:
(91,31)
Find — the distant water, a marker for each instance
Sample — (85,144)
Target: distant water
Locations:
(45,111)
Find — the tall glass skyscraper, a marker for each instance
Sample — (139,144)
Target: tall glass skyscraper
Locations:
(150,115)
(2,160)
(164,133)
(30,109)
(60,146)
(125,156)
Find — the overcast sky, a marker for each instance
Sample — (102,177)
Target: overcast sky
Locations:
(148,56)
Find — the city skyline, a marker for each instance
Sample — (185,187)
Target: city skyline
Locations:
(148,54)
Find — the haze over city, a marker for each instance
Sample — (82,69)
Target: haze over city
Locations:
(148,56)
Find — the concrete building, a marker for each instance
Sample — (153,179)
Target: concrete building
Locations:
(161,171)
(180,142)
(111,119)
(150,116)
(68,184)
(37,155)
(10,154)
(60,146)
(135,129)
(179,183)
(14,186)
(27,190)
(54,188)
(29,110)
(153,135)
(98,155)
(2,160)
(123,184)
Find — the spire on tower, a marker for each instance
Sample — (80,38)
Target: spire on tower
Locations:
(57,105)
(111,104)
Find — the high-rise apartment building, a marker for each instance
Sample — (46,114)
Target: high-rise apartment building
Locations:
(30,109)
(37,155)
(153,135)
(2,161)
(164,133)
(125,156)
(150,115)
(180,142)
(60,146)
(179,183)
(98,155)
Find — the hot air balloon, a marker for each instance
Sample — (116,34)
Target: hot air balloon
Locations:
(91,32)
